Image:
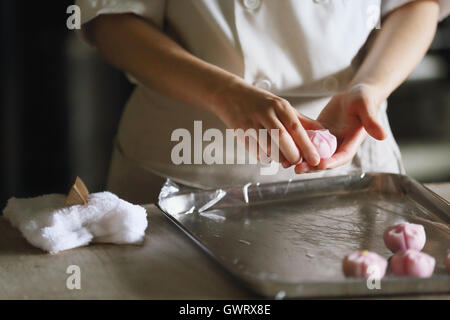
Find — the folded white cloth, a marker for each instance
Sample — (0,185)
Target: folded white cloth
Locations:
(47,224)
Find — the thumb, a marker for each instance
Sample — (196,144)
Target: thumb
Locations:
(371,124)
(308,123)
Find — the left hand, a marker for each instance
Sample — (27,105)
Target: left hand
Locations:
(349,116)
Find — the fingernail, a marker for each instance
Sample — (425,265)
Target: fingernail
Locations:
(315,159)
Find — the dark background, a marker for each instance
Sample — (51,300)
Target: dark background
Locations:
(60,106)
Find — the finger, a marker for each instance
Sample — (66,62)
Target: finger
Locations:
(371,124)
(303,167)
(258,144)
(290,119)
(308,123)
(267,148)
(248,137)
(283,142)
(286,164)
(278,158)
(339,158)
(263,146)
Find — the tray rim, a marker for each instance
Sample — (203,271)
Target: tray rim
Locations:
(260,287)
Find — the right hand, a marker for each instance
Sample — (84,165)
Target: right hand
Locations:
(349,115)
(242,106)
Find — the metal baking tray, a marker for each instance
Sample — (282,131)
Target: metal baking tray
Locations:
(287,240)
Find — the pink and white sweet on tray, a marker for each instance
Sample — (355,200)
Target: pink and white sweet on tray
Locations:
(404,236)
(324,141)
(412,263)
(364,264)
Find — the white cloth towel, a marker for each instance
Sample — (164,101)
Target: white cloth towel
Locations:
(47,224)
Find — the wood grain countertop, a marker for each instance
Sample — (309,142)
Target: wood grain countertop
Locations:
(167,266)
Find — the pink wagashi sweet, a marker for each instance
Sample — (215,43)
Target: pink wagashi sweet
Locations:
(447,261)
(324,141)
(412,263)
(404,236)
(364,264)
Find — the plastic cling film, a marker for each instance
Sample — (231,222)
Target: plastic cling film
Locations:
(218,195)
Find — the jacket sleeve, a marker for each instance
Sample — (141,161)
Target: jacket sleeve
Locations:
(388,6)
(152,10)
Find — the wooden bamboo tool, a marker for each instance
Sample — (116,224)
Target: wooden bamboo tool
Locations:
(78,194)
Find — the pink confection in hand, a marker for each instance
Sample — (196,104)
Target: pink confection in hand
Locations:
(412,263)
(405,236)
(324,141)
(364,264)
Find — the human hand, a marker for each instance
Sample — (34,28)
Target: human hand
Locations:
(349,116)
(242,106)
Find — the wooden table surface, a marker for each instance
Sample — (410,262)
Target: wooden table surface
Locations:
(167,266)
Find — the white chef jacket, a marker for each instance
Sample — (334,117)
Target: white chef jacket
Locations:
(302,50)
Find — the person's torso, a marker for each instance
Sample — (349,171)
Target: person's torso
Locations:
(304,51)
(293,48)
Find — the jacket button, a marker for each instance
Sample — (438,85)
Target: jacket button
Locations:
(331,83)
(263,84)
(252,4)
